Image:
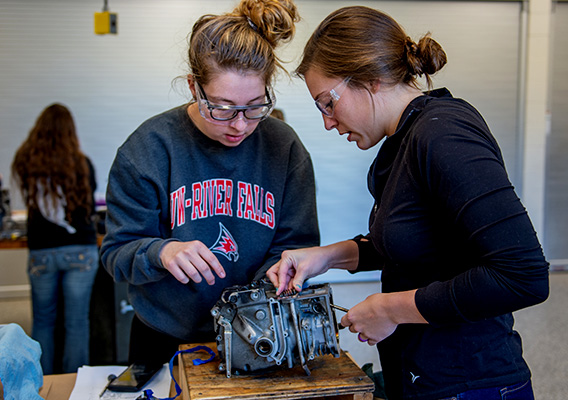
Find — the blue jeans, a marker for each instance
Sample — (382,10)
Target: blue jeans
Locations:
(518,391)
(71,271)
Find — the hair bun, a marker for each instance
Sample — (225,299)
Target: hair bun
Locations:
(426,57)
(273,19)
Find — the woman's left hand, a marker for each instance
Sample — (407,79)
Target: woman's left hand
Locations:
(377,317)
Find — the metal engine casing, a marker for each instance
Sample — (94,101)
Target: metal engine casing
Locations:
(257,330)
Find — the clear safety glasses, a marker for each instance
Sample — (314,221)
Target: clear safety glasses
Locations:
(326,103)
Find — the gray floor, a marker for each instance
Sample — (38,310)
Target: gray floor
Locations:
(544,329)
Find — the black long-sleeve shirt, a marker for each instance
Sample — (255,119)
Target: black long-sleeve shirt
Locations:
(44,234)
(447,222)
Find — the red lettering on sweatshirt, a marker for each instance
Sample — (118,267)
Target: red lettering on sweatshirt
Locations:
(215,196)
(211,197)
(177,207)
(254,205)
(269,210)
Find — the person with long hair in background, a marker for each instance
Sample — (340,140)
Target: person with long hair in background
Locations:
(57,182)
(456,247)
(207,195)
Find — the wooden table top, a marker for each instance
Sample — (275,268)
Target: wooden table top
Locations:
(330,378)
(22,242)
(19,243)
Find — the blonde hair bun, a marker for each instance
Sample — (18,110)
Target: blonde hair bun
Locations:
(274,20)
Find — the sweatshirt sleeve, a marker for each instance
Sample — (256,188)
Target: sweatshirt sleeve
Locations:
(134,227)
(297,225)
(461,167)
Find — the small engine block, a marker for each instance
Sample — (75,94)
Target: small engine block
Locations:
(258,330)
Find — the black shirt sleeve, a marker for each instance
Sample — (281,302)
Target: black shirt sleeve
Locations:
(461,168)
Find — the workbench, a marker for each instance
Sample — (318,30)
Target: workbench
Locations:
(331,378)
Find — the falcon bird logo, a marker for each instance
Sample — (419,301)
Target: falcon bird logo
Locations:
(225,244)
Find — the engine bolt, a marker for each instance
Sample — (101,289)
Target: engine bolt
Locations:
(260,315)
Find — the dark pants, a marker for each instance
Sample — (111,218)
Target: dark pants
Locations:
(519,391)
(150,346)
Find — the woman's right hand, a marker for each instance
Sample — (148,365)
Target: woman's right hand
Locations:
(295,266)
(191,260)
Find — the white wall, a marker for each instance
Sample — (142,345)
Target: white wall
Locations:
(556,191)
(114,82)
(13,277)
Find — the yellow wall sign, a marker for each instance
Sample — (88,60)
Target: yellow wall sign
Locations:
(105,22)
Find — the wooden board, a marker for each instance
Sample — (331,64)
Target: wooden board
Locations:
(330,378)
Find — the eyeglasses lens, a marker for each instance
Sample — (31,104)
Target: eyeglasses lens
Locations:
(326,109)
(253,112)
(228,112)
(326,105)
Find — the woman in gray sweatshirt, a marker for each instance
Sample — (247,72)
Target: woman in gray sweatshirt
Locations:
(208,195)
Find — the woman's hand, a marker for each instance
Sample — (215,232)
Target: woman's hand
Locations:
(377,317)
(191,260)
(295,266)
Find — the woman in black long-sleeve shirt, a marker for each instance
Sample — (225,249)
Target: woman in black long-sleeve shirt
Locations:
(57,181)
(456,246)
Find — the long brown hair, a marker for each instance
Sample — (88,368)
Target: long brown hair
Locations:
(367,44)
(51,157)
(243,40)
